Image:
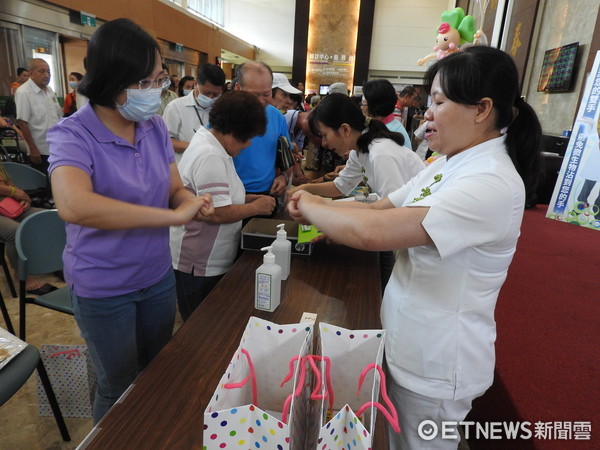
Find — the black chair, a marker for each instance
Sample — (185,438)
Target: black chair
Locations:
(6,269)
(9,325)
(16,373)
(40,242)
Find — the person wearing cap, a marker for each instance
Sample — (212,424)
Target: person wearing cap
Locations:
(255,165)
(338,88)
(186,115)
(281,90)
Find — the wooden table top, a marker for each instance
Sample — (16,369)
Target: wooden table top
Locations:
(164,408)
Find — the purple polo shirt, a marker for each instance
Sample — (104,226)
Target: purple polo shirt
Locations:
(106,263)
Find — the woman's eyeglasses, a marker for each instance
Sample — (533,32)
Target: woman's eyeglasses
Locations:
(162,82)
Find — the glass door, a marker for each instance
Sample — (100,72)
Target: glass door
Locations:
(44,44)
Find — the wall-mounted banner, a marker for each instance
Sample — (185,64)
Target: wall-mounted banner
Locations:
(576,196)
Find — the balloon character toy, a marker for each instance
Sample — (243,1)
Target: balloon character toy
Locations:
(456,30)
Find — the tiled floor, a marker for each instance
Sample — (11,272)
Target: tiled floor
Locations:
(20,425)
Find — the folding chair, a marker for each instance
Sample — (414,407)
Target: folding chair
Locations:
(40,242)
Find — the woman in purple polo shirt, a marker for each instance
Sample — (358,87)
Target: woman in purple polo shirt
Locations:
(116,185)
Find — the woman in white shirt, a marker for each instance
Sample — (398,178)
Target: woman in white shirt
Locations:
(204,251)
(376,156)
(456,226)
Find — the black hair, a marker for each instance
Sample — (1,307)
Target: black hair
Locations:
(252,65)
(20,70)
(336,109)
(182,82)
(240,114)
(298,99)
(381,97)
(77,75)
(357,99)
(165,67)
(275,89)
(408,90)
(120,53)
(477,72)
(211,73)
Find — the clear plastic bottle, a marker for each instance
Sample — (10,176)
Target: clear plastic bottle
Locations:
(267,290)
(282,249)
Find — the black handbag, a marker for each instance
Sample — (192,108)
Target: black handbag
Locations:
(285,155)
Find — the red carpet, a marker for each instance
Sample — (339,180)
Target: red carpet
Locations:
(548,345)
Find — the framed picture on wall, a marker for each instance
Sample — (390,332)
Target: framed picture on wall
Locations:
(558,68)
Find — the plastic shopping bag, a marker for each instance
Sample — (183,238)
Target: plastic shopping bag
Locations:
(247,408)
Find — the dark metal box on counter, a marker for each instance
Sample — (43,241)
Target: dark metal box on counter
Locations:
(259,233)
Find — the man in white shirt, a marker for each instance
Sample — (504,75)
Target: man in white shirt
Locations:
(37,111)
(185,115)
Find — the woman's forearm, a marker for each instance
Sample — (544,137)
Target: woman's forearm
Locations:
(367,228)
(77,203)
(327,189)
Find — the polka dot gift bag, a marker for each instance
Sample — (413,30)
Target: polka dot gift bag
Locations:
(262,399)
(351,380)
(73,378)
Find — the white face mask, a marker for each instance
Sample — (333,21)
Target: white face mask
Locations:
(187,91)
(141,104)
(73,84)
(204,101)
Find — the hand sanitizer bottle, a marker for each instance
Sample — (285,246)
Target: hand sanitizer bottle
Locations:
(282,249)
(267,291)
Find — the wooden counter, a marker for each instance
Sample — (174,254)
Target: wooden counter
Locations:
(165,406)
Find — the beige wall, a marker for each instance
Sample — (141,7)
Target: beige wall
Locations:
(404,31)
(560,22)
(74,52)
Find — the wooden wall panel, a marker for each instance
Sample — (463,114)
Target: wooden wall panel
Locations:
(165,22)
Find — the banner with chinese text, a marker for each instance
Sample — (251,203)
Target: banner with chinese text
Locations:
(576,196)
(331,49)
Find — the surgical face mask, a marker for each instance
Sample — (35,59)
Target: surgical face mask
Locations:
(73,84)
(141,104)
(187,91)
(204,101)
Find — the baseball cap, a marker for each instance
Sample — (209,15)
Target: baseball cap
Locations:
(280,81)
(338,88)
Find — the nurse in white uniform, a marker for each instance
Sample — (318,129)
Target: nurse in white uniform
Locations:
(455,226)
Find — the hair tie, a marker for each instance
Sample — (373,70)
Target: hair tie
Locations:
(367,121)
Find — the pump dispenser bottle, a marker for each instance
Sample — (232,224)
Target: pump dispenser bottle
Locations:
(267,291)
(282,249)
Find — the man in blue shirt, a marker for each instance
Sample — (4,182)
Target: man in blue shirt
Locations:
(255,165)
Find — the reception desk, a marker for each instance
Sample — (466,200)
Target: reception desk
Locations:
(164,407)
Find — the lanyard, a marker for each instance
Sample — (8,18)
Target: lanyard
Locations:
(199,118)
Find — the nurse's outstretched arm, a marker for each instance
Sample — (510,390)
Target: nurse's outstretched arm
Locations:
(375,227)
